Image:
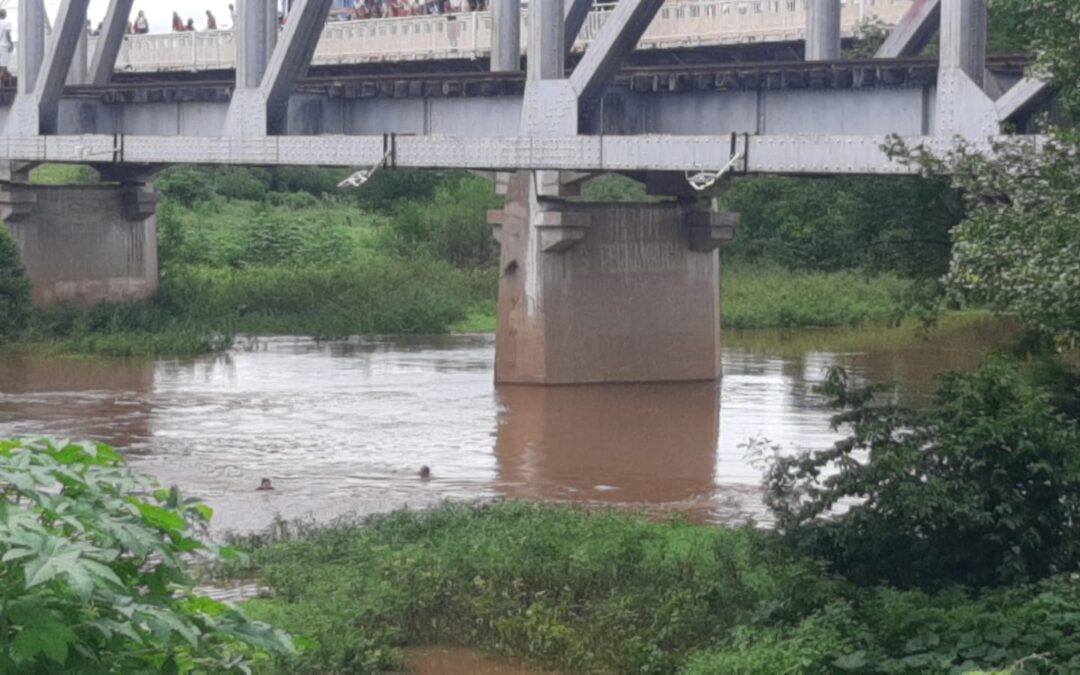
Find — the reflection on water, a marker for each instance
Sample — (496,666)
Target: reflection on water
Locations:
(343,427)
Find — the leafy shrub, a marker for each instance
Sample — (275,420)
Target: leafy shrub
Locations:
(64,174)
(14,288)
(981,489)
(92,571)
(295,201)
(242,183)
(186,185)
(378,296)
(389,189)
(584,591)
(1017,251)
(1025,629)
(898,225)
(452,227)
(313,181)
(614,188)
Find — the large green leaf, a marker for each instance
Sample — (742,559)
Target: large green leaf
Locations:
(162,519)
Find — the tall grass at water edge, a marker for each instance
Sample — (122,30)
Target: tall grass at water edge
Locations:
(603,592)
(773,297)
(768,296)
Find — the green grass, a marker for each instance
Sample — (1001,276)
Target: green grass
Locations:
(771,297)
(588,591)
(481,318)
(64,174)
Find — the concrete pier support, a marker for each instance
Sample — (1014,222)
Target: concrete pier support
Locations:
(822,30)
(84,244)
(605,293)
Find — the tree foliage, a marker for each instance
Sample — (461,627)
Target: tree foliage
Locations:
(983,488)
(896,225)
(92,574)
(1049,28)
(1018,250)
(453,226)
(14,288)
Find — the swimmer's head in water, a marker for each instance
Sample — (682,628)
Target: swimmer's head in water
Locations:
(425,472)
(265,484)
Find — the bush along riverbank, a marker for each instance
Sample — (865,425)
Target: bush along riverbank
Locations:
(285,251)
(958,554)
(94,575)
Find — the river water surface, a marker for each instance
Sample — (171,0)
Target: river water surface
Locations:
(343,427)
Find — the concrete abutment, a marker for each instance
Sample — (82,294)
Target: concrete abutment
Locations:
(605,292)
(85,244)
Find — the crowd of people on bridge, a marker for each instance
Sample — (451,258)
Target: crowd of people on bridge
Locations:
(360,9)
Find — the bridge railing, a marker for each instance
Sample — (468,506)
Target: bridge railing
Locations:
(680,23)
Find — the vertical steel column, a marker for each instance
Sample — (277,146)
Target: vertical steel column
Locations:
(31,43)
(255,36)
(822,30)
(505,36)
(547,40)
(963,38)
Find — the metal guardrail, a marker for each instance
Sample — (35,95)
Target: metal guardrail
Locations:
(680,23)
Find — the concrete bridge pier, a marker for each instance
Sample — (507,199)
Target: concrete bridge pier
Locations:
(83,244)
(605,293)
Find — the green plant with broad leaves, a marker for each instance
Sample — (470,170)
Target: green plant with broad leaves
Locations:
(981,489)
(94,574)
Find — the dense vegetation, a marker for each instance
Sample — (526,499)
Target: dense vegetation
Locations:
(286,251)
(92,573)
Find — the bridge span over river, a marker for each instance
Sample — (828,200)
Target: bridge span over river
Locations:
(588,292)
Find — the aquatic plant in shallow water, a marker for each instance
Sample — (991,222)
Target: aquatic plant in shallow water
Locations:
(93,575)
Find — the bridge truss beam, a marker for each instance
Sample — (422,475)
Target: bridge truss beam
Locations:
(914,31)
(772,154)
(111,39)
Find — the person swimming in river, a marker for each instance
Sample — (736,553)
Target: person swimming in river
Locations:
(425,472)
(265,485)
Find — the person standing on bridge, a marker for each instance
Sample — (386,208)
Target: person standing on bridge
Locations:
(211,22)
(141,25)
(177,23)
(5,32)
(7,45)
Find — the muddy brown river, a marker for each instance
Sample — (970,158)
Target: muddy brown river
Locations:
(343,427)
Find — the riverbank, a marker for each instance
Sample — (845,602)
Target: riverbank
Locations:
(246,251)
(589,591)
(767,296)
(200,309)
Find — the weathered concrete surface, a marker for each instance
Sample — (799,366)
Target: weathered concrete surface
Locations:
(85,245)
(604,293)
